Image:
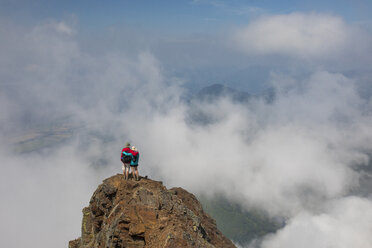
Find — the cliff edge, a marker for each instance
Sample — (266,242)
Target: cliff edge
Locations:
(146,214)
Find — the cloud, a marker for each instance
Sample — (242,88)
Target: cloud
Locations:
(345,223)
(283,158)
(43,197)
(297,34)
(36,60)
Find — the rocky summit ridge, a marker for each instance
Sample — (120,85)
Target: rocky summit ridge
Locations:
(128,213)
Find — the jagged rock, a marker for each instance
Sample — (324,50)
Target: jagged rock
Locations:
(146,214)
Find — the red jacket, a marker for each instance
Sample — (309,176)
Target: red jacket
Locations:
(126,150)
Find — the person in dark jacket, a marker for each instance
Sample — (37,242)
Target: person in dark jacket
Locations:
(126,158)
(134,163)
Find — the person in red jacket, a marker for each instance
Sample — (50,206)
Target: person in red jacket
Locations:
(126,158)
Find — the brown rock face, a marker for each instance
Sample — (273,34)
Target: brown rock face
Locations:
(145,214)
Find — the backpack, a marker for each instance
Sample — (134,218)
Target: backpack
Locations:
(126,159)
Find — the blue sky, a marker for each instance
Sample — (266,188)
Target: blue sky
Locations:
(196,39)
(180,16)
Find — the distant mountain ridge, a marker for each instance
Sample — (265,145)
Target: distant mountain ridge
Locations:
(199,110)
(216,91)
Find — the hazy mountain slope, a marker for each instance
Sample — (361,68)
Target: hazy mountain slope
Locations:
(237,224)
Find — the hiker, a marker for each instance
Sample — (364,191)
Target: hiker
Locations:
(126,158)
(134,163)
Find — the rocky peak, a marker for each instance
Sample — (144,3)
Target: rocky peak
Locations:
(144,213)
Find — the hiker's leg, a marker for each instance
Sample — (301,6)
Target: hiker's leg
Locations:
(137,173)
(123,168)
(126,171)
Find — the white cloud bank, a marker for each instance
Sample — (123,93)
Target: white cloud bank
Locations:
(284,157)
(296,34)
(345,223)
(42,197)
